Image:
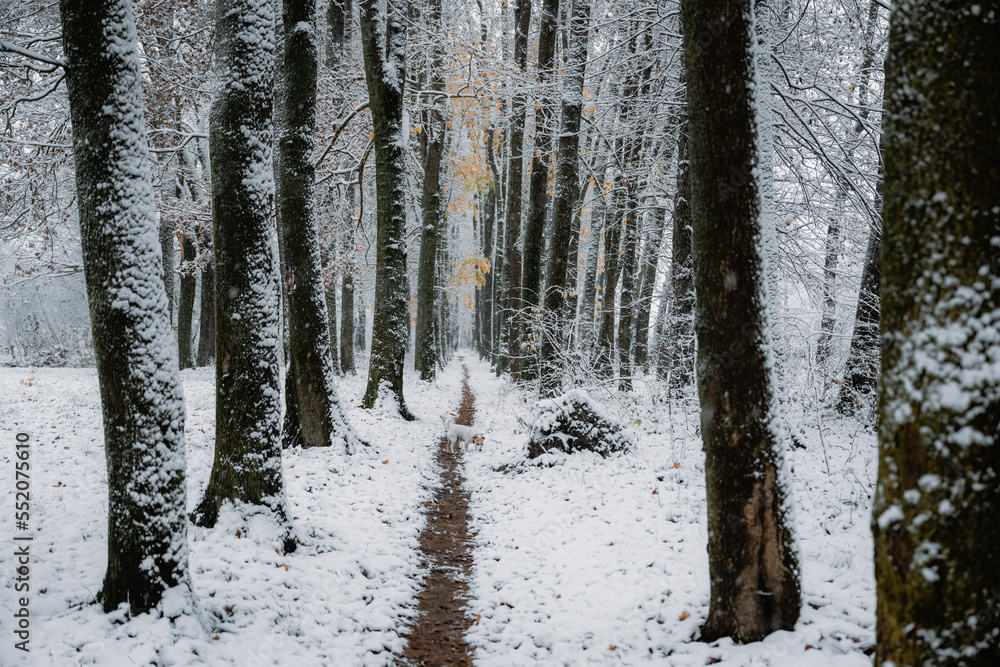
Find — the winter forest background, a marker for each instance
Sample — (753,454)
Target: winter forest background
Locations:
(756,241)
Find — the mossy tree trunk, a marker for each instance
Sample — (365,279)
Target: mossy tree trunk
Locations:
(383,40)
(313,357)
(936,515)
(141,397)
(247,470)
(753,568)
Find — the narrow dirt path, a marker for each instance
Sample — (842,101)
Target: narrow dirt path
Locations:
(439,636)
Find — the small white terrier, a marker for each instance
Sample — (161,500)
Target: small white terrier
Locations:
(468,435)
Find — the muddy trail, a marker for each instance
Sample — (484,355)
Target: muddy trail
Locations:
(439,635)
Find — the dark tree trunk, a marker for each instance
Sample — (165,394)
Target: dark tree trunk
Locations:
(564,202)
(432,142)
(861,372)
(383,39)
(676,358)
(167,242)
(604,361)
(647,282)
(626,301)
(538,187)
(185,305)
(513,297)
(752,561)
(247,467)
(206,325)
(141,396)
(824,344)
(312,354)
(936,514)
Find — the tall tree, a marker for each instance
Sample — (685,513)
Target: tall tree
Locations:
(247,469)
(753,567)
(676,356)
(141,398)
(538,184)
(206,324)
(513,297)
(185,305)
(936,515)
(321,419)
(432,142)
(565,199)
(383,41)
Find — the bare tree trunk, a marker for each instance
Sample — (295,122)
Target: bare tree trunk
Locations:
(752,561)
(935,518)
(141,395)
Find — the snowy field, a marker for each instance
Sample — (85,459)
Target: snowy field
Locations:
(585,561)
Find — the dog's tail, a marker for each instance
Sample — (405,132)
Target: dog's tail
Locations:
(450,422)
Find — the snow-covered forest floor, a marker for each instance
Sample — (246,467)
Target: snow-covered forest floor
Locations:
(584,561)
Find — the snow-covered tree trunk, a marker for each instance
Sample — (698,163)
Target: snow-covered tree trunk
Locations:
(141,397)
(753,568)
(676,354)
(247,469)
(383,40)
(564,201)
(862,368)
(513,298)
(538,186)
(313,357)
(936,514)
(432,143)
(347,307)
(649,262)
(604,355)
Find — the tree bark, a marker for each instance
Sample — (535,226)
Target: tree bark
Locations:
(676,359)
(564,201)
(247,467)
(753,569)
(935,517)
(513,297)
(206,325)
(432,142)
(861,371)
(141,396)
(604,361)
(538,188)
(185,305)
(383,40)
(312,355)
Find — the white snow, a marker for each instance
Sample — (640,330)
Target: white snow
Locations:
(584,561)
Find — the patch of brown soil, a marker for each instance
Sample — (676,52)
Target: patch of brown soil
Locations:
(439,636)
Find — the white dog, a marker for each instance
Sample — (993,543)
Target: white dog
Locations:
(468,435)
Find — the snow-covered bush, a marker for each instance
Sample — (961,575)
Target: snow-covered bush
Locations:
(572,422)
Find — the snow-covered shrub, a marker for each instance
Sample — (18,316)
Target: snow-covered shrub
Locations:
(572,422)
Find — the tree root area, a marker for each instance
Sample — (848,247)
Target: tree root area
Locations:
(438,638)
